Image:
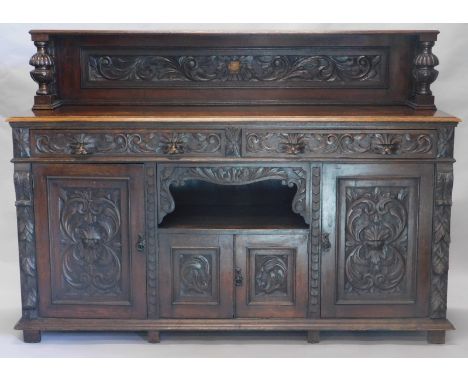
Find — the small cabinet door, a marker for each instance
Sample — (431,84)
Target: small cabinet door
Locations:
(195,279)
(376,240)
(271,275)
(90,222)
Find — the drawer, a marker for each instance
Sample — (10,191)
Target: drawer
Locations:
(339,143)
(142,142)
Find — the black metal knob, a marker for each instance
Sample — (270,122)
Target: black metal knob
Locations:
(141,243)
(326,245)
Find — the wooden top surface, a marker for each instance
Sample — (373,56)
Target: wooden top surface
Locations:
(236,114)
(224,32)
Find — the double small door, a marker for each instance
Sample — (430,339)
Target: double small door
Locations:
(226,275)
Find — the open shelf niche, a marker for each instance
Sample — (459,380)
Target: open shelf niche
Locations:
(200,202)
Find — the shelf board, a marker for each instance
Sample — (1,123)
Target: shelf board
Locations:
(233,218)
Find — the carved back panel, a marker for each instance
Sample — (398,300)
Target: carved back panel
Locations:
(386,67)
(95,224)
(379,228)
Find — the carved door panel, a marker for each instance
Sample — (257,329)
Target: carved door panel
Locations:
(196,276)
(376,235)
(91,255)
(271,275)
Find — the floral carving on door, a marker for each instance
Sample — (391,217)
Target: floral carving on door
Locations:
(90,226)
(195,275)
(376,239)
(271,275)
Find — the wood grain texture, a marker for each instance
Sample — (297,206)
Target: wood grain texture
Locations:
(235,114)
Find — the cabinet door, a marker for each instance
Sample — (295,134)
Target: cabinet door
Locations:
(89,219)
(271,275)
(196,276)
(376,257)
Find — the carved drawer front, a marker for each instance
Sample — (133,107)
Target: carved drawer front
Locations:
(271,275)
(196,273)
(160,142)
(90,243)
(323,143)
(376,240)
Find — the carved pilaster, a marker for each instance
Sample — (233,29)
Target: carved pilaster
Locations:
(21,145)
(233,141)
(441,239)
(290,176)
(424,75)
(151,226)
(314,300)
(445,138)
(26,239)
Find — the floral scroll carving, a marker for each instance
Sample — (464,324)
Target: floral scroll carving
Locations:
(224,69)
(26,241)
(376,239)
(297,144)
(21,147)
(445,142)
(163,143)
(90,226)
(195,275)
(271,275)
(289,176)
(441,240)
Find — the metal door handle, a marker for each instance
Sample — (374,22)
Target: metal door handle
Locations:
(326,245)
(141,243)
(238,278)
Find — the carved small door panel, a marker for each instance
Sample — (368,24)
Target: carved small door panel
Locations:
(90,247)
(196,276)
(376,240)
(271,275)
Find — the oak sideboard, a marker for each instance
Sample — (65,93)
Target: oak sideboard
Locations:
(233,181)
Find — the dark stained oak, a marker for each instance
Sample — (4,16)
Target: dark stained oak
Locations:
(436,337)
(313,336)
(32,336)
(266,324)
(233,182)
(153,337)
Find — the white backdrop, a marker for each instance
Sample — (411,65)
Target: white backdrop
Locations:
(16,97)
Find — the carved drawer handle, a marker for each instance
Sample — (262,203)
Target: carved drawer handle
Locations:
(175,148)
(238,278)
(326,245)
(388,148)
(292,148)
(141,243)
(79,149)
